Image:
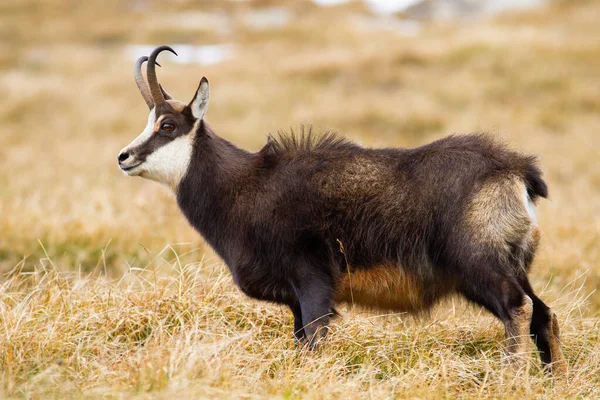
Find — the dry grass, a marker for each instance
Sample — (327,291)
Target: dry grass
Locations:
(184,330)
(94,300)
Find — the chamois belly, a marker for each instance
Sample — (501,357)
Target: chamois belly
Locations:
(387,287)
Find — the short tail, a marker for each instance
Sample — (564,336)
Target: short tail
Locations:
(536,187)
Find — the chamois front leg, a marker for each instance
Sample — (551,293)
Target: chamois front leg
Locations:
(299,333)
(315,294)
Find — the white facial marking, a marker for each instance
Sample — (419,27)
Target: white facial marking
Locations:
(146,133)
(169,163)
(132,162)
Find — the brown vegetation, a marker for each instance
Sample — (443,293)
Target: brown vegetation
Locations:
(112,293)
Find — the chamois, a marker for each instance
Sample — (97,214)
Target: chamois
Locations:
(310,221)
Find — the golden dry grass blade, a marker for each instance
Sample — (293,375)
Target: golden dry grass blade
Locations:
(95,303)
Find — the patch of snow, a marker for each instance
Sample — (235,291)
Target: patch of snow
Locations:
(327,3)
(188,54)
(389,6)
(402,27)
(444,8)
(495,7)
(272,17)
(376,6)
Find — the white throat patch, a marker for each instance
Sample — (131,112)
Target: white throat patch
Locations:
(169,163)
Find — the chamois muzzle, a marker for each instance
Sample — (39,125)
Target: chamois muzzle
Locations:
(127,161)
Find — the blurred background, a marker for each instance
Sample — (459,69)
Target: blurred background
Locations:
(384,73)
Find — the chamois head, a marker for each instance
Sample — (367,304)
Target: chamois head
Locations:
(163,150)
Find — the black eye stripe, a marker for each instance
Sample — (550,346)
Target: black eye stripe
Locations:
(181,124)
(149,146)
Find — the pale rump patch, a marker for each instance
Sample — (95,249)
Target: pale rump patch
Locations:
(498,213)
(384,287)
(536,235)
(533,240)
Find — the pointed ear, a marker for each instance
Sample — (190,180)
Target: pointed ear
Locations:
(166,95)
(199,103)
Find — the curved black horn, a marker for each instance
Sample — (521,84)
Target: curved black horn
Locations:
(155,91)
(139,81)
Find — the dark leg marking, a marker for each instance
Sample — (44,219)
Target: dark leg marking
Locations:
(299,333)
(546,333)
(315,295)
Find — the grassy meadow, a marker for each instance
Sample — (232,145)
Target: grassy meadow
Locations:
(105,290)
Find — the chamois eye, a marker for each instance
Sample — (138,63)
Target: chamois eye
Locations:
(167,127)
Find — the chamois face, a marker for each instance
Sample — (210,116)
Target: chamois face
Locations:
(163,150)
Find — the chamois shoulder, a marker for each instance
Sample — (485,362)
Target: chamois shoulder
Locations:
(305,141)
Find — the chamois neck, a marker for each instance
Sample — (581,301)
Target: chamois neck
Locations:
(217,174)
(218,155)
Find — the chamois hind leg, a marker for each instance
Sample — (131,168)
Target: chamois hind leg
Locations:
(494,288)
(546,334)
(544,323)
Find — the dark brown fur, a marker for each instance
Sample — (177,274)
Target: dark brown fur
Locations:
(415,225)
(310,221)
